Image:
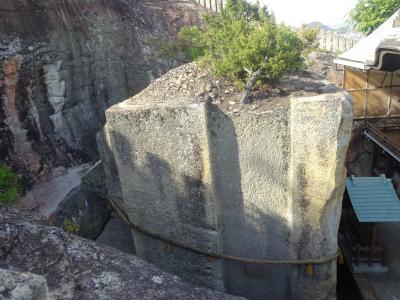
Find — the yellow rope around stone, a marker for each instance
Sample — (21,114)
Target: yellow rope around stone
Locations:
(211,255)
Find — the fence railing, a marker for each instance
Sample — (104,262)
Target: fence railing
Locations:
(336,43)
(215,5)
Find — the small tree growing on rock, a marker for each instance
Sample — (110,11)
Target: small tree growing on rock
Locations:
(245,39)
(242,43)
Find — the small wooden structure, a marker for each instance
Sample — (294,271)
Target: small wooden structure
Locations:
(387,138)
(373,201)
(371,72)
(376,94)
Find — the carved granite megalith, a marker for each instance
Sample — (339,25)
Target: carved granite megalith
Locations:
(262,181)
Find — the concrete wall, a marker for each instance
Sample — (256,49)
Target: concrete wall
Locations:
(254,184)
(334,42)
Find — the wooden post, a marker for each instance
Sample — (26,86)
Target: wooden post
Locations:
(390,92)
(366,97)
(373,243)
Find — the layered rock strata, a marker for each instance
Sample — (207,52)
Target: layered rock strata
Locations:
(62,63)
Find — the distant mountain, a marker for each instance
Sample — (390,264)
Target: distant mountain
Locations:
(343,28)
(319,25)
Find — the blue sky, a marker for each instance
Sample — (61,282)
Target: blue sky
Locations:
(297,12)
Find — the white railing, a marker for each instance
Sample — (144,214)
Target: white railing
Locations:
(215,5)
(336,43)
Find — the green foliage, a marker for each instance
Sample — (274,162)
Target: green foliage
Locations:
(70,226)
(309,38)
(186,46)
(191,42)
(237,41)
(370,14)
(9,186)
(243,38)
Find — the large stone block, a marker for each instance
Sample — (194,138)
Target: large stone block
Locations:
(320,133)
(260,182)
(162,157)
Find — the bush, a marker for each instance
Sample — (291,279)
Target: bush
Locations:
(370,14)
(185,47)
(242,39)
(9,186)
(309,38)
(245,38)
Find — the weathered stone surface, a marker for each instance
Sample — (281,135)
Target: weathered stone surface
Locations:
(22,286)
(117,234)
(76,268)
(95,180)
(62,63)
(85,206)
(261,181)
(52,188)
(85,209)
(173,205)
(320,133)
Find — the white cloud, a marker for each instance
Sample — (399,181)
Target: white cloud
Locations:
(297,12)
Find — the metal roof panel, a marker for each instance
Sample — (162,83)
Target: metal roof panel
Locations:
(364,54)
(374,199)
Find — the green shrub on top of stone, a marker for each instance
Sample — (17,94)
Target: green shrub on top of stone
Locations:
(245,38)
(242,39)
(9,186)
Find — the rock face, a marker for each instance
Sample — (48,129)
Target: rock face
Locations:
(117,234)
(22,286)
(263,181)
(76,268)
(85,210)
(62,63)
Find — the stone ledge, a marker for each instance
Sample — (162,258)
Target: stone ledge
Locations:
(76,268)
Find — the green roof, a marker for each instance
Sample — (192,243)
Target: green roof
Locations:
(374,199)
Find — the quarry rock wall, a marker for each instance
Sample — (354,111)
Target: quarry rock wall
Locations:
(257,184)
(63,63)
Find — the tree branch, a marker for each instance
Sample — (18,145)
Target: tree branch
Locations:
(249,86)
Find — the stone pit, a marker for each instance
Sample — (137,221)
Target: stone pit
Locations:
(262,181)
